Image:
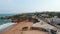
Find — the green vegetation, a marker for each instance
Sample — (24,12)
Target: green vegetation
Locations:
(26,15)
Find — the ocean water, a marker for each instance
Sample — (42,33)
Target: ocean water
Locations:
(5,24)
(3,21)
(6,15)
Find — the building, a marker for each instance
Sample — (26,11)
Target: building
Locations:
(55,20)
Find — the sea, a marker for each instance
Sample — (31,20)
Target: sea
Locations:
(5,24)
(3,21)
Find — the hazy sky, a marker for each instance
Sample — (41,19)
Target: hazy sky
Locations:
(21,6)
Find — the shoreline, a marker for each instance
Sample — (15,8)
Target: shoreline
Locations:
(17,29)
(6,27)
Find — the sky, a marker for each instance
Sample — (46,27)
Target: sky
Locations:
(23,6)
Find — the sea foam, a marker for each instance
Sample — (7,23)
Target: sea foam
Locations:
(6,26)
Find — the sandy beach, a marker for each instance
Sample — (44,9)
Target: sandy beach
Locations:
(18,27)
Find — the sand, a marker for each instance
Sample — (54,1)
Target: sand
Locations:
(17,29)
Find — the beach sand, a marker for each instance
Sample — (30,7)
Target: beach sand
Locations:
(17,29)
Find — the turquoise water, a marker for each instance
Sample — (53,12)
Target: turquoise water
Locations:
(3,21)
(1,15)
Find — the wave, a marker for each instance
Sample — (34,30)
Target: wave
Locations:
(6,26)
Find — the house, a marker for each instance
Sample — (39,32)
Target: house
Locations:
(44,15)
(55,20)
